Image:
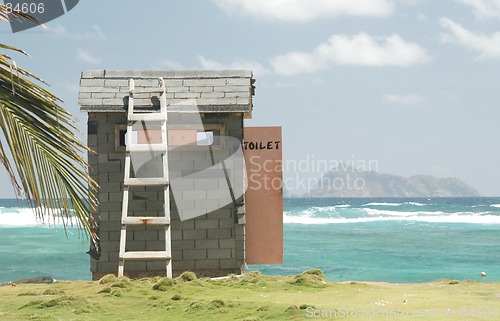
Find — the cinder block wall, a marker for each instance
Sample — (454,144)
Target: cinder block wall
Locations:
(210,245)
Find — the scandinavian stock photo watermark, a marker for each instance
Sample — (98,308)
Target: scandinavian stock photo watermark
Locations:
(309,173)
(382,313)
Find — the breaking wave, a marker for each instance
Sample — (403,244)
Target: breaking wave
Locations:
(336,215)
(453,218)
(394,204)
(25,217)
(383,204)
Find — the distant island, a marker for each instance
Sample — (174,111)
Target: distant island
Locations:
(349,182)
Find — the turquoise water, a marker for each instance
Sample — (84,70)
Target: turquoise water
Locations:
(28,249)
(392,240)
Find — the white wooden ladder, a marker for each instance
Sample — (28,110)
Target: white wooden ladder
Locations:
(145,119)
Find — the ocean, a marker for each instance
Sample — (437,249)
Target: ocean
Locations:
(390,240)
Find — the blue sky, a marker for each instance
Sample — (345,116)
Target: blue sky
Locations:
(410,84)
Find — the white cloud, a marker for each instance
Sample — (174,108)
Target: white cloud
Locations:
(99,32)
(88,57)
(359,50)
(487,46)
(171,64)
(61,31)
(410,99)
(422,17)
(254,66)
(57,29)
(484,8)
(305,10)
(412,2)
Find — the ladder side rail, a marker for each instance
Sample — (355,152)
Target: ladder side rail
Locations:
(166,189)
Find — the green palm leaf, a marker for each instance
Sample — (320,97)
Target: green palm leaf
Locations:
(40,150)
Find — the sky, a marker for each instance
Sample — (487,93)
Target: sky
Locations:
(409,85)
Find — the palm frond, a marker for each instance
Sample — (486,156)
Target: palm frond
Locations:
(45,163)
(3,46)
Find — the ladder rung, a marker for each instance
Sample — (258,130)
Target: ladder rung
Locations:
(147,117)
(153,90)
(147,148)
(145,255)
(145,220)
(146,181)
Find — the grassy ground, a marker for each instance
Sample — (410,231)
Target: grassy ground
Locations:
(251,297)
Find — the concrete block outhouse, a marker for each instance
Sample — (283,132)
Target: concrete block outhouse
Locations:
(206,152)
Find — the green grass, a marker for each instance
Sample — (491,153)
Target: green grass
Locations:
(251,297)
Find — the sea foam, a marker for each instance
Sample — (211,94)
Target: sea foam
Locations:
(383,204)
(415,203)
(453,218)
(25,217)
(335,215)
(394,204)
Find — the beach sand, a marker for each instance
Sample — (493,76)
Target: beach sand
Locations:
(252,297)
